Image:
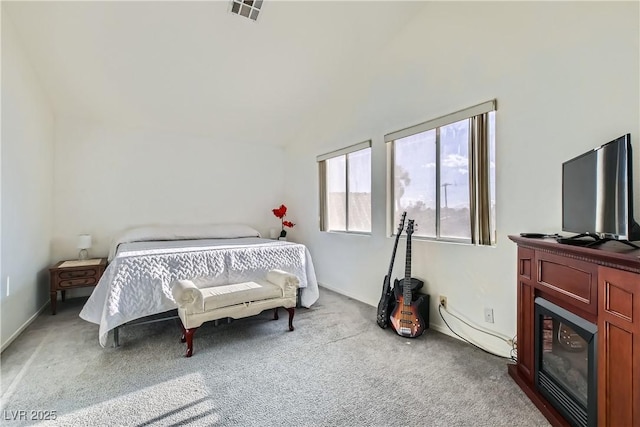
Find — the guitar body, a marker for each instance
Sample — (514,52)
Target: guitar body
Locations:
(406,319)
(386,304)
(398,284)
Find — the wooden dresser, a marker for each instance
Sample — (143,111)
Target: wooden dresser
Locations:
(601,285)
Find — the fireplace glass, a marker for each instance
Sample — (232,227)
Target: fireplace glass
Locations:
(565,369)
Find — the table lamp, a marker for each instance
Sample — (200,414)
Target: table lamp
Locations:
(84,243)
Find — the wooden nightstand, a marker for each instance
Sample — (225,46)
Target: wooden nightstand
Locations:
(74,274)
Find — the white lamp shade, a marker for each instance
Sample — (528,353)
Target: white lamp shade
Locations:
(84,241)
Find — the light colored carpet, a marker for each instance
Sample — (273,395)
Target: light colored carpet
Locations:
(338,368)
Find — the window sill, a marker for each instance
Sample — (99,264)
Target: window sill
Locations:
(354,233)
(450,241)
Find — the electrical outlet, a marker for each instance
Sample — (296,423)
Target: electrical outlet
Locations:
(443,301)
(488,315)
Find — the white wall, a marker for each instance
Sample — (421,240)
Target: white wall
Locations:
(108,179)
(566,80)
(27,173)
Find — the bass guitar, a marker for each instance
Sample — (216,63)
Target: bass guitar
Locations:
(386,302)
(406,318)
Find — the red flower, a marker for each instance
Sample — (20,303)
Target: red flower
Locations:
(281,212)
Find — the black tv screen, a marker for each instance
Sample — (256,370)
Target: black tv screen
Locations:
(597,194)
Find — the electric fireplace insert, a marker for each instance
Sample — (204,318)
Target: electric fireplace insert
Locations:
(565,362)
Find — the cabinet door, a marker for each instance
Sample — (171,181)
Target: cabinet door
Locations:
(526,264)
(618,348)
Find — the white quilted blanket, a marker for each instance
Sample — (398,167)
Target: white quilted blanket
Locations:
(136,282)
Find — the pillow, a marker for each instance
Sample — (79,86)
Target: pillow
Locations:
(181,232)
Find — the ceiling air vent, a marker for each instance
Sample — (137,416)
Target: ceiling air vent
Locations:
(247,8)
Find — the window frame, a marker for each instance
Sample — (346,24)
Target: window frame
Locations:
(482,227)
(322,177)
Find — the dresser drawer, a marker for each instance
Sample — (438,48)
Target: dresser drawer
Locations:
(77,282)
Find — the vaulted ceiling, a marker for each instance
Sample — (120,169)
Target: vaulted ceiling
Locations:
(195,67)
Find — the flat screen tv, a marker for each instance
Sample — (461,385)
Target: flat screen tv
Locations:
(597,193)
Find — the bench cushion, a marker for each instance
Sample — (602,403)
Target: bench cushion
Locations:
(238,293)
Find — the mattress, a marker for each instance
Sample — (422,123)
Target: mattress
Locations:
(137,281)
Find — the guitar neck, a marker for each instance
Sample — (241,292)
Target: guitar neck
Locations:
(395,245)
(393,255)
(406,288)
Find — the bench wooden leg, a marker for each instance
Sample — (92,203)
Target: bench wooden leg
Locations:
(291,311)
(188,335)
(183,338)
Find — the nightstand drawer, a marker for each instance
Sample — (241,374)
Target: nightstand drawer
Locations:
(64,275)
(77,282)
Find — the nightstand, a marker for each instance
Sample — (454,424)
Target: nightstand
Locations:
(74,274)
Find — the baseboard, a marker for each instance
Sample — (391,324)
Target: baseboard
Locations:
(442,330)
(341,292)
(433,326)
(436,327)
(17,333)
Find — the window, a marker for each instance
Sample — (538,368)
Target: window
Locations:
(345,189)
(443,175)
(247,8)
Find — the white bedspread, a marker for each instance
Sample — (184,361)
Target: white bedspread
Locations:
(136,282)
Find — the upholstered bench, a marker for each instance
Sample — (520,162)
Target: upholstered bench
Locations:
(197,305)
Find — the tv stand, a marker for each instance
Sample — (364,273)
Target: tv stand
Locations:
(601,286)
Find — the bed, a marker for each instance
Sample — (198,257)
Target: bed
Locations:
(144,261)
